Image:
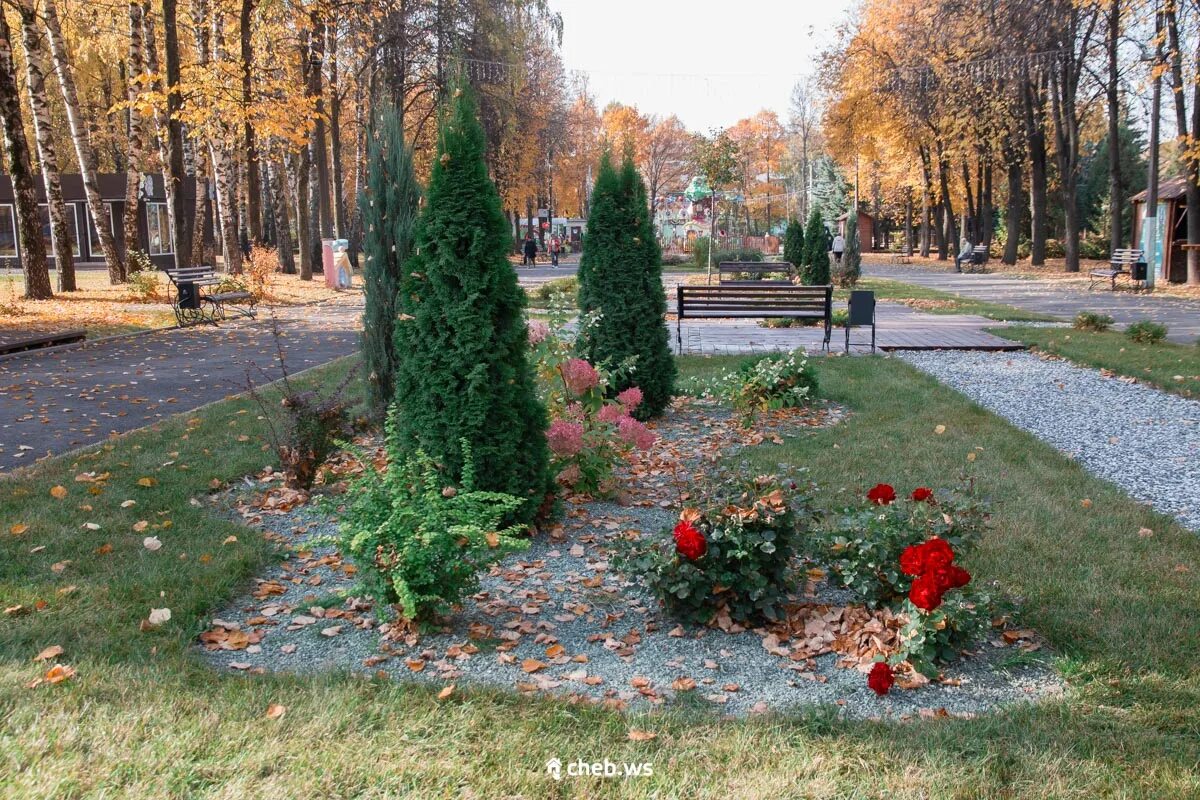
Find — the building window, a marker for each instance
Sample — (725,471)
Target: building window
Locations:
(158,227)
(72,228)
(94,247)
(8,232)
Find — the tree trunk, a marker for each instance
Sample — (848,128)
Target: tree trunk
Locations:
(986,224)
(35,73)
(335,139)
(179,221)
(1035,135)
(249,145)
(303,220)
(1012,214)
(319,143)
(970,225)
(1190,159)
(950,236)
(1116,192)
(283,230)
(908,221)
(82,141)
(926,182)
(223,165)
(136,154)
(20,169)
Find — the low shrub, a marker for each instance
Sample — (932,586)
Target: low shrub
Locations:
(1146,332)
(418,540)
(700,254)
(1091,321)
(838,320)
(1095,248)
(771,382)
(259,269)
(862,544)
(674,259)
(142,285)
(1054,249)
(734,557)
(567,286)
(138,261)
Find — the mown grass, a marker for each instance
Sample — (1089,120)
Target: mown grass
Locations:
(145,719)
(936,301)
(1171,367)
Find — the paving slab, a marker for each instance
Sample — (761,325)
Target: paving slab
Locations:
(1182,317)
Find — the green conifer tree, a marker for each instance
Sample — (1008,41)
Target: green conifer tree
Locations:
(620,280)
(816,261)
(462,347)
(389,207)
(850,269)
(793,244)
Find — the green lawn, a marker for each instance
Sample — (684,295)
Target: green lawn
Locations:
(143,718)
(1171,367)
(936,301)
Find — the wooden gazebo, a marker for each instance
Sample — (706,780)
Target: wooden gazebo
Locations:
(1172,224)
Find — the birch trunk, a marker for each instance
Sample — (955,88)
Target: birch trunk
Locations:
(136,153)
(231,252)
(249,146)
(283,232)
(174,163)
(80,137)
(20,168)
(35,74)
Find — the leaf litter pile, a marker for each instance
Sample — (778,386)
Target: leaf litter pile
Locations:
(557,619)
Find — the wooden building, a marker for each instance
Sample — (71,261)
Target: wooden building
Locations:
(1172,227)
(866,229)
(154,229)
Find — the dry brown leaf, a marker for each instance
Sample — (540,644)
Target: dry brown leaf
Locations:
(18,528)
(59,673)
(53,651)
(446,692)
(683,684)
(532,665)
(275,711)
(58,492)
(641,736)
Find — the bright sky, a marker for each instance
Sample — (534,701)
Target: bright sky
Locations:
(711,63)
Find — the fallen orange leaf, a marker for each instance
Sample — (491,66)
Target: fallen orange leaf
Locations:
(275,711)
(53,651)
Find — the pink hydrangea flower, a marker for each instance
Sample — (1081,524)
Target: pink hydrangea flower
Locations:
(538,331)
(565,438)
(612,413)
(631,398)
(636,433)
(579,376)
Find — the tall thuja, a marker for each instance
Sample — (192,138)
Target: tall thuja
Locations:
(850,269)
(816,257)
(620,284)
(389,205)
(793,244)
(462,369)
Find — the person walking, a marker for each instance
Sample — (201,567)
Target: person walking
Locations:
(555,247)
(838,246)
(530,255)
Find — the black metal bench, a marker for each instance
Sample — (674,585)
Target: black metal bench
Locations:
(194,302)
(1128,262)
(728,272)
(979,257)
(762,301)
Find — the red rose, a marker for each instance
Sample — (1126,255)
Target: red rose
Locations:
(951,577)
(912,560)
(689,542)
(925,593)
(684,527)
(882,494)
(938,553)
(880,679)
(922,494)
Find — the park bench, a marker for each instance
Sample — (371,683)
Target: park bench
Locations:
(195,302)
(901,258)
(1127,262)
(979,257)
(729,272)
(766,301)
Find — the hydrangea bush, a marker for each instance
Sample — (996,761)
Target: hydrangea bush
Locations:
(589,433)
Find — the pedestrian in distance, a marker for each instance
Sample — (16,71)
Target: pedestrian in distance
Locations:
(530,256)
(838,246)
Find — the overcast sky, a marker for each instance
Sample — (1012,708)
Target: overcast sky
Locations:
(711,63)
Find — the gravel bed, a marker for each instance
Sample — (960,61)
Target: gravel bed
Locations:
(616,647)
(1144,440)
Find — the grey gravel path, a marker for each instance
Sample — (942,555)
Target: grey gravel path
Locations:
(1144,440)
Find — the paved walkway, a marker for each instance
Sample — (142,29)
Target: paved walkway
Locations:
(898,327)
(1182,317)
(57,401)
